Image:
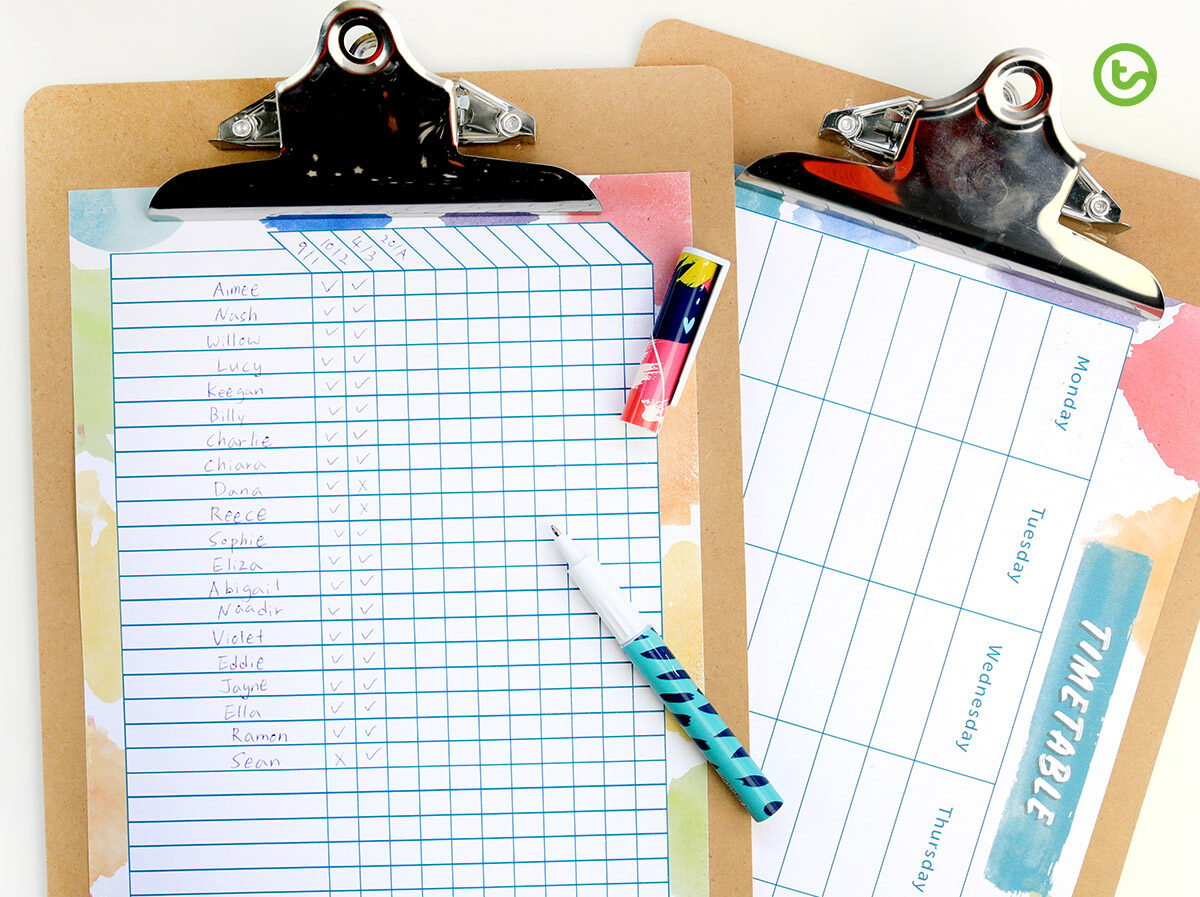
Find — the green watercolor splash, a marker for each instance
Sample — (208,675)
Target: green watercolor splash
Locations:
(91,347)
(687,832)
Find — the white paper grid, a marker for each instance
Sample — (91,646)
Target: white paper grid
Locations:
(896,431)
(352,661)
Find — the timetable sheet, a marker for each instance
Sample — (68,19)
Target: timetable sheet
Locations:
(350,660)
(945,476)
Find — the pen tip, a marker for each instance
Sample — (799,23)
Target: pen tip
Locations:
(554,529)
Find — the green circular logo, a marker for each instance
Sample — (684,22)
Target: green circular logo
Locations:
(1125,74)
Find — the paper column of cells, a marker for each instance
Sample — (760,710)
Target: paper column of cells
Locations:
(351,663)
(918,447)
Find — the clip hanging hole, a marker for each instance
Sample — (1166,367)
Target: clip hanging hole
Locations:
(360,42)
(1023,89)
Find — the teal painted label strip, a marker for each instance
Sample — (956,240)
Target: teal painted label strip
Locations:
(1066,723)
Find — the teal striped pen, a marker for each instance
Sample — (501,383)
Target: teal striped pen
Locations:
(679,693)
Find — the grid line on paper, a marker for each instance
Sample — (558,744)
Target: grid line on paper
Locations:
(172,589)
(868,580)
(804,460)
(120,607)
(758,280)
(837,520)
(783,361)
(868,747)
(872,415)
(1030,632)
(874,563)
(566,598)
(1041,635)
(320,602)
(966,588)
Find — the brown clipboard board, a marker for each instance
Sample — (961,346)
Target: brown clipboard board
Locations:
(595,121)
(779,101)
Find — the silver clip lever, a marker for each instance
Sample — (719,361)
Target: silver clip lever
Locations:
(987,172)
(482,118)
(878,131)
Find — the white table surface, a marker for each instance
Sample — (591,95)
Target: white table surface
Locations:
(931,46)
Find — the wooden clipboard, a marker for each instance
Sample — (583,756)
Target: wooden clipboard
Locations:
(602,121)
(1162,205)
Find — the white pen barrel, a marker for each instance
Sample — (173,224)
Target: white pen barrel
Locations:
(607,599)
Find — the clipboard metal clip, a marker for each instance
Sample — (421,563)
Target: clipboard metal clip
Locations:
(986,173)
(364,129)
(482,118)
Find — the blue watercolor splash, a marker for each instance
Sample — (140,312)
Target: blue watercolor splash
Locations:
(835,225)
(116,220)
(1107,594)
(326,222)
(765,201)
(467,219)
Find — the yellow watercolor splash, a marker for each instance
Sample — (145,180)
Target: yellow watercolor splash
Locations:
(681,606)
(96,529)
(693,271)
(105,804)
(1158,534)
(679,468)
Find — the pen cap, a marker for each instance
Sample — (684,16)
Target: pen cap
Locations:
(686,310)
(688,305)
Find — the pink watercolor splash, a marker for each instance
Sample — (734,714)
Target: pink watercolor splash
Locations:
(1159,383)
(654,211)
